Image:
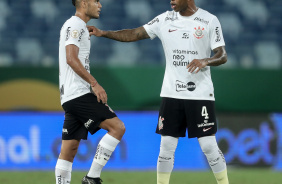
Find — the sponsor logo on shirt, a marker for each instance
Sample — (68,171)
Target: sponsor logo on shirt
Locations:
(177,51)
(81,34)
(185,36)
(68,33)
(201,20)
(171,30)
(178,60)
(153,21)
(199,32)
(218,37)
(181,86)
(170,18)
(62,90)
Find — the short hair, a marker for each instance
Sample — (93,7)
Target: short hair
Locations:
(73,2)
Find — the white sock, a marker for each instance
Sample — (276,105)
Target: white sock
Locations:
(63,172)
(104,151)
(215,158)
(166,159)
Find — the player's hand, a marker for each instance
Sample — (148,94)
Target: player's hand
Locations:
(94,31)
(196,65)
(100,93)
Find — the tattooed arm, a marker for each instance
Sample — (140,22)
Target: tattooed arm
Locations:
(219,58)
(125,35)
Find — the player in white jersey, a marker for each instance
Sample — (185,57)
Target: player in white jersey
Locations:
(83,99)
(188,34)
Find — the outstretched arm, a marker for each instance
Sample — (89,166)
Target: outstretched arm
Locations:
(219,58)
(125,35)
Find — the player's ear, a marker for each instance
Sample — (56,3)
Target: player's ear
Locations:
(84,3)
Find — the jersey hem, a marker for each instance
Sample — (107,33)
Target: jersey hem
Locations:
(73,97)
(182,98)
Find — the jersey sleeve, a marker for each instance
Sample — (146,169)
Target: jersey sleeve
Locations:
(73,34)
(216,36)
(153,27)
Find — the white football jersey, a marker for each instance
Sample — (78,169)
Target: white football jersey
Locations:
(185,38)
(75,32)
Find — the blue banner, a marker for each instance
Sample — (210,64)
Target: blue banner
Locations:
(33,140)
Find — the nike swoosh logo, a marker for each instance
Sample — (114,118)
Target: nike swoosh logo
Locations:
(206,129)
(172,30)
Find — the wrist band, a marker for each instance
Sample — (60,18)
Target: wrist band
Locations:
(94,84)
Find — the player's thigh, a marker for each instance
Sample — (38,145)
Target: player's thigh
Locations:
(73,129)
(113,124)
(201,119)
(171,118)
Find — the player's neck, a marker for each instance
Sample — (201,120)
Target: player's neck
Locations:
(190,10)
(82,16)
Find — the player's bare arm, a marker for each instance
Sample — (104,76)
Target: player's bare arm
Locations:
(219,58)
(74,62)
(125,35)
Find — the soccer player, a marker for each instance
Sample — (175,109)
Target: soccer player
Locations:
(83,99)
(188,34)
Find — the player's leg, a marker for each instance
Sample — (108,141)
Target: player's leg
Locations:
(166,158)
(107,145)
(202,124)
(171,125)
(215,158)
(64,164)
(73,132)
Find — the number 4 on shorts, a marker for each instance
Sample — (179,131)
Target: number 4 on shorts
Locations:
(205,112)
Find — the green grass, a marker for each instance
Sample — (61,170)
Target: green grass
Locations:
(236,176)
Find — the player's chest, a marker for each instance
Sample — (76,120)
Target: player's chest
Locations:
(185,32)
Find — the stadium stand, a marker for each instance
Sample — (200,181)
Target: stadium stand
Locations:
(29,32)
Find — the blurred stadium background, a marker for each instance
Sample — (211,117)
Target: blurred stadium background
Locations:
(248,91)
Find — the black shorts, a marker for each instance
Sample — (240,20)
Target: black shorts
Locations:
(177,115)
(84,114)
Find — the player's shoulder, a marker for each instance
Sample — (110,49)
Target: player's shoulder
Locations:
(75,22)
(205,15)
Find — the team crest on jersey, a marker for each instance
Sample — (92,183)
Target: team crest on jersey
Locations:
(74,34)
(160,124)
(199,32)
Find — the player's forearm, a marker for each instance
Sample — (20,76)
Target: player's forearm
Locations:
(219,58)
(81,71)
(127,35)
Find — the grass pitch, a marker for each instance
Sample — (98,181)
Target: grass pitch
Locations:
(238,176)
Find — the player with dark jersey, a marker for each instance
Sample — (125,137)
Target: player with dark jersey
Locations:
(83,99)
(188,35)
